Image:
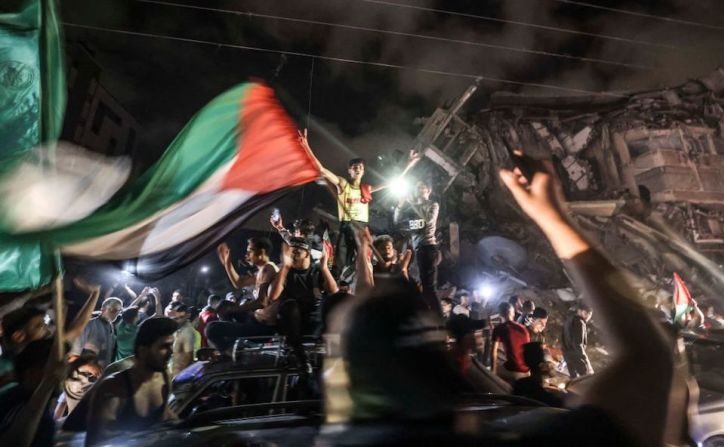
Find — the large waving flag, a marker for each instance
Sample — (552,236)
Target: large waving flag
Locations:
(32,103)
(683,302)
(237,155)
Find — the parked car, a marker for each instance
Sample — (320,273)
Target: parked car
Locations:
(706,358)
(261,371)
(302,423)
(258,373)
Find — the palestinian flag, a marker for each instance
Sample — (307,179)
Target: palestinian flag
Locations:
(238,155)
(683,302)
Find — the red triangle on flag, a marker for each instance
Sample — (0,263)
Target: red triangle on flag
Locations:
(270,156)
(682,296)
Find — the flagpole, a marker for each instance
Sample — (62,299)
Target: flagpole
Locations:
(59,310)
(59,317)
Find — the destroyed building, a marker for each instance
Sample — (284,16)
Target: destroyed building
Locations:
(643,174)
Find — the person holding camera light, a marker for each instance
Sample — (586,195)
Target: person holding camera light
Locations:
(418,216)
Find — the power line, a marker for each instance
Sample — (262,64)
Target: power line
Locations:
(537,26)
(348,61)
(402,34)
(642,14)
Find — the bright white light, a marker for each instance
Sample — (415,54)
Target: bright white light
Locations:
(126,273)
(399,186)
(486,291)
(205,269)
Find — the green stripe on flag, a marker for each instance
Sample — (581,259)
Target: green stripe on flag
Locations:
(32,103)
(208,142)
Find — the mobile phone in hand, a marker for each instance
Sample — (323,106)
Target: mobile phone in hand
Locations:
(526,164)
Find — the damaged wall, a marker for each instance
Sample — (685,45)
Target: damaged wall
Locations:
(644,174)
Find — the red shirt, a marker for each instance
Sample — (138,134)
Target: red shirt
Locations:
(205,317)
(513,336)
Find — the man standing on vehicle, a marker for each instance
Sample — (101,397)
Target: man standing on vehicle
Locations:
(258,250)
(353,199)
(419,216)
(295,290)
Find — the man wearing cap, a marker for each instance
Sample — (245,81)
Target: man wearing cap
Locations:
(302,228)
(296,289)
(574,340)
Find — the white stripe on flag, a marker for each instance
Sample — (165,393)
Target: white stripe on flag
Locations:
(185,219)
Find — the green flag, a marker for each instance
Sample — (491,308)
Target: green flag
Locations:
(32,104)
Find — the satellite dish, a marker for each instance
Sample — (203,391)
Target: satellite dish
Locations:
(500,252)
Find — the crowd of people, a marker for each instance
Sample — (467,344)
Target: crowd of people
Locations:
(123,358)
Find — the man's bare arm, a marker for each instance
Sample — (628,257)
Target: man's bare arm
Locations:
(329,176)
(75,329)
(365,275)
(333,178)
(405,259)
(413,159)
(494,355)
(237,280)
(330,285)
(157,309)
(642,364)
(131,293)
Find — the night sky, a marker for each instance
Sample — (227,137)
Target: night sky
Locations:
(365,109)
(355,109)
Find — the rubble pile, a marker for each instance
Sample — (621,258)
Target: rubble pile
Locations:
(643,173)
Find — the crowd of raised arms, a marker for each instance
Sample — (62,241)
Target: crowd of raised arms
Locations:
(410,356)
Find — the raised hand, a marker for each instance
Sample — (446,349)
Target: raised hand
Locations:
(414,156)
(541,199)
(224,252)
(287,255)
(278,224)
(324,259)
(83,285)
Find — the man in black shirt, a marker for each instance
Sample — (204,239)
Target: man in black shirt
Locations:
(296,289)
(574,341)
(419,216)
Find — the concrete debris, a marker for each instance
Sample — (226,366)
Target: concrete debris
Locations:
(643,173)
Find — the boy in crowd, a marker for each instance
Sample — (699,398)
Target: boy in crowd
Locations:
(512,336)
